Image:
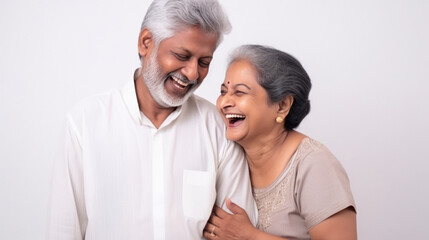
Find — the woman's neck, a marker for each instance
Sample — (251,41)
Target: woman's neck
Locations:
(264,156)
(268,157)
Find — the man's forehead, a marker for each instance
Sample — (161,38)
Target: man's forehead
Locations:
(192,40)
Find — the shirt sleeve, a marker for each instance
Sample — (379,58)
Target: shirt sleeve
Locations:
(233,181)
(67,216)
(322,187)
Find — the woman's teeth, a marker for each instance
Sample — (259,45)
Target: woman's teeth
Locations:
(229,116)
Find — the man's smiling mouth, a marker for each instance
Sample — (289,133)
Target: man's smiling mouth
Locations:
(179,82)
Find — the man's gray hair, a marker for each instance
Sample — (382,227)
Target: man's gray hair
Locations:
(164,18)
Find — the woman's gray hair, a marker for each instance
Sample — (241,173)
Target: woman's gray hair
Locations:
(164,18)
(281,75)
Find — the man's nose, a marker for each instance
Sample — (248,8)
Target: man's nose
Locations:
(191,70)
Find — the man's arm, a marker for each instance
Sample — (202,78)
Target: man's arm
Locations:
(233,180)
(67,216)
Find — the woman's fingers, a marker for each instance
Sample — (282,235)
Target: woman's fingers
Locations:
(220,212)
(234,208)
(209,228)
(210,231)
(209,236)
(215,220)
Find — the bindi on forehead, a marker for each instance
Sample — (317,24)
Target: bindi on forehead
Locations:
(227,82)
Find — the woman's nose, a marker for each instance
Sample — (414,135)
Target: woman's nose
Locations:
(226,101)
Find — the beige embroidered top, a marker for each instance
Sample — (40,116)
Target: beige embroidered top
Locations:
(311,188)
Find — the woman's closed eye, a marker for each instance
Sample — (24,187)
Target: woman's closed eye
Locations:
(239,93)
(223,90)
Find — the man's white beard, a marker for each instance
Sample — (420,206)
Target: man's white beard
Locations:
(152,76)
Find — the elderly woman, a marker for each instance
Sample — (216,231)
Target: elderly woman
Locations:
(301,189)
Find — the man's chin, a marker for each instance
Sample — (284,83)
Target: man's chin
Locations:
(169,102)
(176,100)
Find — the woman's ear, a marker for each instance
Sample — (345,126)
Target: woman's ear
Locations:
(145,43)
(284,106)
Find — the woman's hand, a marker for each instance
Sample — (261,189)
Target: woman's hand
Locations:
(223,225)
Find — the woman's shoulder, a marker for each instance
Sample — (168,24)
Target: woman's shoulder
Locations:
(310,145)
(312,152)
(314,161)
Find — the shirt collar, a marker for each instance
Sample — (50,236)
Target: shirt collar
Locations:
(129,95)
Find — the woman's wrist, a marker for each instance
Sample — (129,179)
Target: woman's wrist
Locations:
(253,234)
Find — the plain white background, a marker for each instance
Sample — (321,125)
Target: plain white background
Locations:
(368,61)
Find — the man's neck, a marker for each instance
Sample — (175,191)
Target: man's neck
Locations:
(148,106)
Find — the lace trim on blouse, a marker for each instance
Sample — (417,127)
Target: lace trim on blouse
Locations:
(273,197)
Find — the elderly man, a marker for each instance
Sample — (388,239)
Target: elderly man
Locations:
(150,161)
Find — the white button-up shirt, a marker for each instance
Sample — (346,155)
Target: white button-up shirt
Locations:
(119,177)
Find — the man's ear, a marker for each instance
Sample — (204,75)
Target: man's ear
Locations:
(145,43)
(284,106)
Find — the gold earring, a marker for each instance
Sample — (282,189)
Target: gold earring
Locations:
(279,119)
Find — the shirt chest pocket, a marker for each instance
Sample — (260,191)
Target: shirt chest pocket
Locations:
(199,194)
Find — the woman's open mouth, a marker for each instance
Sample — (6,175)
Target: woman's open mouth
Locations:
(234,119)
